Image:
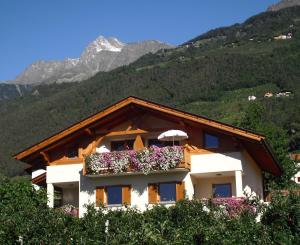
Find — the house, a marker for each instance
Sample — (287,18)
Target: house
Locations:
(115,158)
(268,95)
(296,157)
(284,94)
(251,97)
(284,37)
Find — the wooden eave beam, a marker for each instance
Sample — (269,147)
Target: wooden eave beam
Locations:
(45,156)
(126,132)
(89,132)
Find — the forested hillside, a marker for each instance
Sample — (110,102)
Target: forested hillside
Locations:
(212,75)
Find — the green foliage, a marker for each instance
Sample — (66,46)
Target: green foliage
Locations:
(23,212)
(255,118)
(283,219)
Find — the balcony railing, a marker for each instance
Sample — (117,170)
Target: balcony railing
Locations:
(144,161)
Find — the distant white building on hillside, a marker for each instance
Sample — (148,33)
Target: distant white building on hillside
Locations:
(284,94)
(251,97)
(268,95)
(296,157)
(284,37)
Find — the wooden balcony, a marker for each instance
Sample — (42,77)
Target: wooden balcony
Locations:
(134,167)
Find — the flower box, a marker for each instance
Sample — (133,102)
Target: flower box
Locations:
(144,161)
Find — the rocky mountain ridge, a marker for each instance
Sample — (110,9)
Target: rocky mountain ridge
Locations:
(100,55)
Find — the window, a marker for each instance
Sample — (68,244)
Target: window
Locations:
(155,142)
(122,145)
(298,179)
(222,190)
(211,141)
(159,143)
(114,195)
(167,192)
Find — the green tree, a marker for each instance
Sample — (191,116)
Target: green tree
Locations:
(255,118)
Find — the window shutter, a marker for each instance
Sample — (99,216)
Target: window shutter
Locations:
(99,196)
(126,195)
(180,191)
(152,193)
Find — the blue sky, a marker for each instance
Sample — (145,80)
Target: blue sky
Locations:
(32,30)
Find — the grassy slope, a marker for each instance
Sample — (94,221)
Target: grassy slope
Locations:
(213,77)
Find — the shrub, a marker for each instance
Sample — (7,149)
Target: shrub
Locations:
(24,213)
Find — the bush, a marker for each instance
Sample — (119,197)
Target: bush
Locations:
(24,213)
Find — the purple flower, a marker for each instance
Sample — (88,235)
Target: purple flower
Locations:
(146,160)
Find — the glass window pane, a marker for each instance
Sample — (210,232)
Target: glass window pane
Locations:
(72,152)
(160,143)
(222,190)
(155,142)
(114,195)
(167,192)
(211,141)
(122,145)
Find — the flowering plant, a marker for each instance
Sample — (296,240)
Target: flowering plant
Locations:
(146,160)
(233,205)
(69,210)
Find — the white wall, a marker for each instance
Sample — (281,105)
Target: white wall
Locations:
(139,184)
(227,163)
(64,173)
(252,176)
(216,162)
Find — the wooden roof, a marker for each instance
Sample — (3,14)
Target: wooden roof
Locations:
(247,135)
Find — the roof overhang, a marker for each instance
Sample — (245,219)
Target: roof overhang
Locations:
(248,136)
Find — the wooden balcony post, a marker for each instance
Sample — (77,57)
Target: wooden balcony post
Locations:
(138,143)
(84,167)
(187,157)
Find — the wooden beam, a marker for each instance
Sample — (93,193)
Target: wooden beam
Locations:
(129,132)
(45,156)
(99,140)
(89,132)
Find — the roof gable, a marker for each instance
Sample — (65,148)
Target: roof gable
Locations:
(129,104)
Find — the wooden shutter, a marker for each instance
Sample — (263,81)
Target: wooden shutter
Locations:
(99,196)
(180,191)
(126,195)
(138,143)
(152,193)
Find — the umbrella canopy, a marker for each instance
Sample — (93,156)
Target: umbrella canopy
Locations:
(102,149)
(172,135)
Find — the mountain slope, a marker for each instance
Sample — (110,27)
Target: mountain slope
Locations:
(100,55)
(284,4)
(10,91)
(213,78)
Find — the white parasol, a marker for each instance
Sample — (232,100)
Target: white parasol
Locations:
(172,135)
